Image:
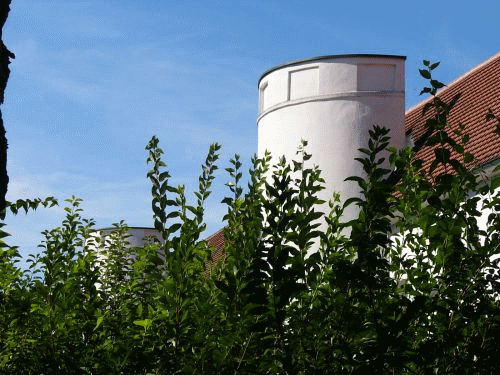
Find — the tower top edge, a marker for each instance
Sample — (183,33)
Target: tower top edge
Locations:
(327,57)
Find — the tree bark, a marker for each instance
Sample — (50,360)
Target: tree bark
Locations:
(5,56)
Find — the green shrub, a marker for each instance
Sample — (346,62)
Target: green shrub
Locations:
(410,286)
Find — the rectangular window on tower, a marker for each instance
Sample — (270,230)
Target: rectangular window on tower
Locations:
(376,77)
(303,83)
(262,97)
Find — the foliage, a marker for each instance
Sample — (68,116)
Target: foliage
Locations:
(409,286)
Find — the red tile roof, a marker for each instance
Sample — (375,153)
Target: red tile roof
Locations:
(217,241)
(478,91)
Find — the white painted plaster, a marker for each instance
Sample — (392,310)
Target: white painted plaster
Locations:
(352,94)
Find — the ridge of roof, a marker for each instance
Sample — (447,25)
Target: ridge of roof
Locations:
(215,234)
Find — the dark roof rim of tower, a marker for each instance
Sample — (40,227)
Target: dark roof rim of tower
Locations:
(327,57)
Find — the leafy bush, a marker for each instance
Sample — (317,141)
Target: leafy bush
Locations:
(410,286)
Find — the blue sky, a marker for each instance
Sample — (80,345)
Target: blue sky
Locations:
(94,80)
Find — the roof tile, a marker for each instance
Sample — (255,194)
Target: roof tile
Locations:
(479,91)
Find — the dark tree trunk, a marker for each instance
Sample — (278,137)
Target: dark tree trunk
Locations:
(5,56)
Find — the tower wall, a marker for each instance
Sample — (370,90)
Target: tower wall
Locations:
(331,102)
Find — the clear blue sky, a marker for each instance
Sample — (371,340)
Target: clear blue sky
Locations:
(94,80)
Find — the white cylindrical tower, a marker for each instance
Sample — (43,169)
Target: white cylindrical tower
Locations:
(331,102)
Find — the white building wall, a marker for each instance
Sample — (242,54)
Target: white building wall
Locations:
(331,102)
(138,236)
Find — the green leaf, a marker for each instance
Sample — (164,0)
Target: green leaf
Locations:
(352,200)
(425,73)
(145,323)
(468,157)
(174,227)
(442,155)
(425,90)
(495,183)
(437,84)
(99,321)
(434,66)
